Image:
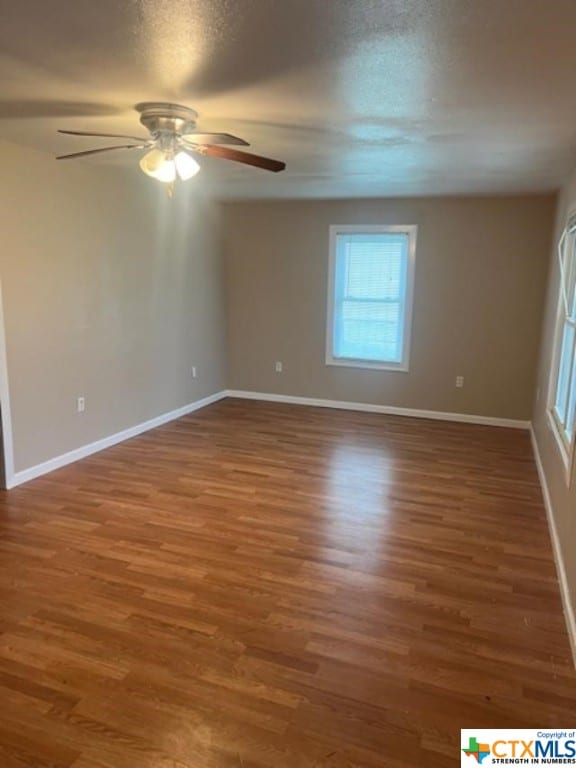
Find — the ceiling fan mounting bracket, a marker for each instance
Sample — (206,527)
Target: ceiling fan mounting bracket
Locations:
(162,117)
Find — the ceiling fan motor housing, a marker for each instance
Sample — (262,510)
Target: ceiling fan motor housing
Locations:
(164,118)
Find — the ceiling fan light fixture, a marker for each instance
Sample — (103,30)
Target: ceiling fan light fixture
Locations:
(162,165)
(186,166)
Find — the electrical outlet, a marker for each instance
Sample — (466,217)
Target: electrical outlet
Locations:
(194,372)
(278,367)
(459,381)
(81,405)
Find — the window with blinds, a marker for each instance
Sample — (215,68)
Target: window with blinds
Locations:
(370,301)
(563,405)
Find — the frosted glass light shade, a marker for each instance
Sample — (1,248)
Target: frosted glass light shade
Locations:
(159,165)
(186,166)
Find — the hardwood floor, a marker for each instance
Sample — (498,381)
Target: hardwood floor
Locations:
(263,585)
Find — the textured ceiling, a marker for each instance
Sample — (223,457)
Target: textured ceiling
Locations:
(359,97)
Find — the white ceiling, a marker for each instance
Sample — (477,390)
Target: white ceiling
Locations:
(359,97)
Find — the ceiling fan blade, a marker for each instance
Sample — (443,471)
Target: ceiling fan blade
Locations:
(102,135)
(210,139)
(265,163)
(103,149)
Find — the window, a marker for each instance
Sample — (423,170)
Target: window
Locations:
(562,400)
(371,280)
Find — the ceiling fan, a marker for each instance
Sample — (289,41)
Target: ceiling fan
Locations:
(173,141)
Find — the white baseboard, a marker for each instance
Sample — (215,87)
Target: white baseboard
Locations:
(23,476)
(560,570)
(106,442)
(387,409)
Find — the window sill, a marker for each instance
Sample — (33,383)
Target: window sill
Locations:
(347,362)
(566,454)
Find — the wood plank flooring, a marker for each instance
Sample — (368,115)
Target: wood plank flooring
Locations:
(262,585)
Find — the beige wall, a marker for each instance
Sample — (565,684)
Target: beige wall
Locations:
(480,274)
(562,497)
(111,291)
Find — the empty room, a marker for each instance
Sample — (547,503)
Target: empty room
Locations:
(287,383)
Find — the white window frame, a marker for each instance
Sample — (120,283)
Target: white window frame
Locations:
(566,448)
(336,229)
